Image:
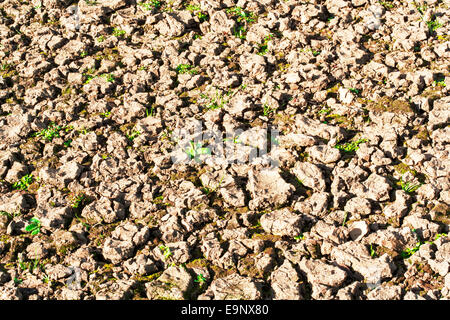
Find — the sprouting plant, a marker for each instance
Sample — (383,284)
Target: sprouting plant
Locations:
(101,38)
(133,135)
(166,251)
(354,91)
(408,252)
(241,14)
(350,147)
(34,227)
(78,200)
(239,32)
(67,143)
(11,215)
(51,132)
(194,150)
(186,68)
(439,83)
(200,14)
(109,77)
(200,279)
(192,8)
(267,110)
(433,25)
(263,47)
(17,280)
(105,114)
(234,139)
(118,32)
(325,110)
(151,112)
(83,54)
(152,4)
(345,219)
(23,183)
(299,237)
(373,253)
(208,190)
(385,4)
(218,101)
(315,52)
(409,186)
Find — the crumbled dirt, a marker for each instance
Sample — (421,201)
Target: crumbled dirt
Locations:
(224,149)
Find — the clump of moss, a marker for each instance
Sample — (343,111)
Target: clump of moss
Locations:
(386,104)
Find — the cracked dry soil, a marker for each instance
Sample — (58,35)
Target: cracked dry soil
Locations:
(93,205)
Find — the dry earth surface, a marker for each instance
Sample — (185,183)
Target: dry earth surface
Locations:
(94,206)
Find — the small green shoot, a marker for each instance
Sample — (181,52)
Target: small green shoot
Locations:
(150,5)
(50,133)
(409,187)
(23,183)
(350,147)
(118,32)
(34,227)
(239,32)
(267,110)
(133,135)
(200,280)
(186,68)
(194,150)
(241,14)
(166,251)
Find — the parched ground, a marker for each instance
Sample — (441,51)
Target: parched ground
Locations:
(329,178)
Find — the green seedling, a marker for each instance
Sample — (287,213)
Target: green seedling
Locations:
(200,279)
(409,186)
(133,135)
(350,147)
(84,54)
(354,91)
(239,32)
(17,281)
(67,143)
(11,215)
(439,83)
(208,190)
(385,4)
(194,150)
(186,68)
(118,32)
(234,139)
(433,25)
(345,219)
(23,183)
(263,47)
(150,5)
(299,237)
(106,114)
(408,252)
(51,132)
(267,110)
(373,253)
(218,101)
(241,14)
(151,112)
(78,200)
(109,77)
(34,227)
(166,251)
(101,38)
